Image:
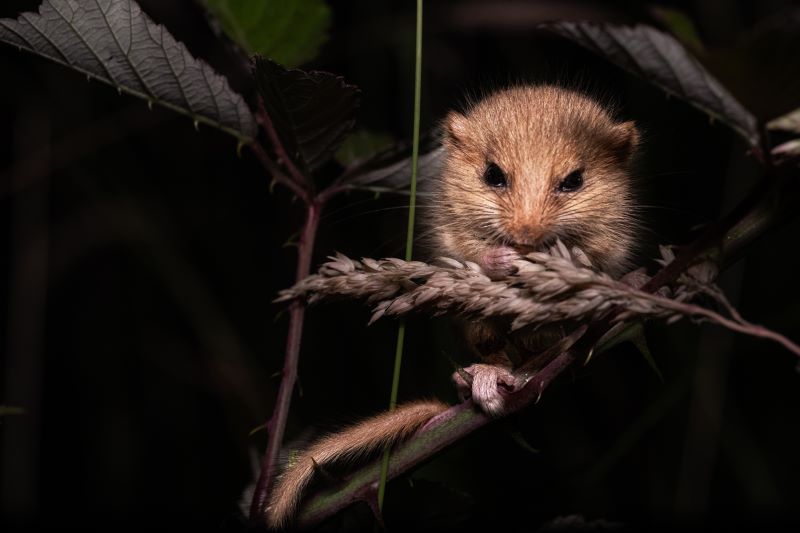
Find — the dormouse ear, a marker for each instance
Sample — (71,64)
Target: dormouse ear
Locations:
(625,139)
(455,128)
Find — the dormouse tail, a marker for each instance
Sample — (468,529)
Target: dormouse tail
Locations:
(367,436)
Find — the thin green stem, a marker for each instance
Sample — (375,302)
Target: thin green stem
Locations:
(401,332)
(398,361)
(412,206)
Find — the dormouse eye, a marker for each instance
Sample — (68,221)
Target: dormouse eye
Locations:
(494,176)
(572,182)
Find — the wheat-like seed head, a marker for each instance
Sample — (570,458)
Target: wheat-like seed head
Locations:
(558,285)
(547,287)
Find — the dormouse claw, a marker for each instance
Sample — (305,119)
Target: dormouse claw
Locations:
(489,388)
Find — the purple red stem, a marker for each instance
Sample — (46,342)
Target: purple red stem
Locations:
(277,423)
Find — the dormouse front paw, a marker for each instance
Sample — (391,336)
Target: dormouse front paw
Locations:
(498,261)
(488,386)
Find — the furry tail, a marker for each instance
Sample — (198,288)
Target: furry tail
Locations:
(370,435)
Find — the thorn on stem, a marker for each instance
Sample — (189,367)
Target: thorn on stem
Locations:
(257,429)
(589,356)
(325,474)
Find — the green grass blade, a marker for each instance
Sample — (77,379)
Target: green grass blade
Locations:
(398,358)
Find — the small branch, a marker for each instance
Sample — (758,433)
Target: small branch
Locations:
(332,190)
(737,324)
(277,174)
(713,238)
(770,202)
(277,423)
(446,429)
(298,176)
(302,186)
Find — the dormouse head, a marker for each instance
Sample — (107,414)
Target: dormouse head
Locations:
(530,164)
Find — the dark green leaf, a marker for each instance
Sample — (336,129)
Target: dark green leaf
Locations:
(390,169)
(360,145)
(311,112)
(115,42)
(395,177)
(658,58)
(288,32)
(681,26)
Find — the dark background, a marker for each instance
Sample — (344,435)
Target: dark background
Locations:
(141,258)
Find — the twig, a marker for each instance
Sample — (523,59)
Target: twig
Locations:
(277,423)
(301,185)
(739,324)
(277,174)
(446,429)
(295,173)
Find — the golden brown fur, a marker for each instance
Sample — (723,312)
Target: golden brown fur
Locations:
(368,436)
(537,135)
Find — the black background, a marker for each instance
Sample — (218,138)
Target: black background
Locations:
(141,258)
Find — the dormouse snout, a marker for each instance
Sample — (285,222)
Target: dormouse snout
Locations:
(528,164)
(530,238)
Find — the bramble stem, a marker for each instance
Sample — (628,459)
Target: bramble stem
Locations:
(295,173)
(277,174)
(277,423)
(442,431)
(302,186)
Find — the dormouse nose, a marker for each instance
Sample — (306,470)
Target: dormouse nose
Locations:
(527,236)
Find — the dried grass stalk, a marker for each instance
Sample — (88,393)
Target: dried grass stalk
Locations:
(547,287)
